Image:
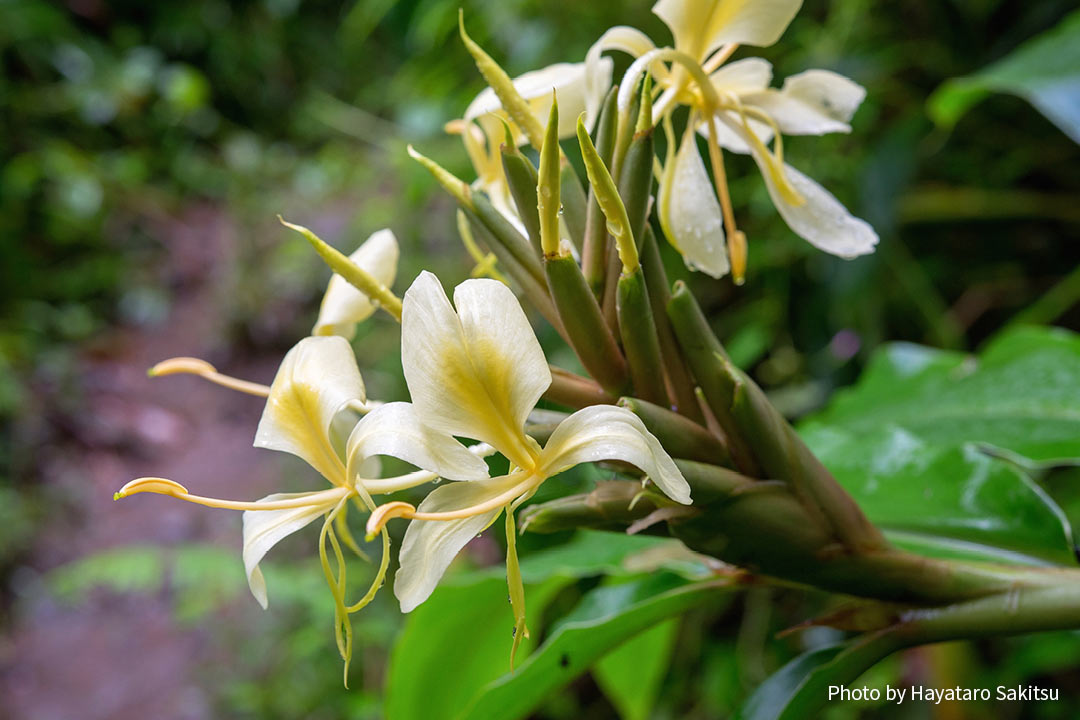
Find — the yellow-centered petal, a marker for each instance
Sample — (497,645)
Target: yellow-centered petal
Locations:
(475,372)
(317,378)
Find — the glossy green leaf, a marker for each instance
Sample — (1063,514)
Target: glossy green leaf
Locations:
(800,689)
(459,639)
(605,618)
(946,501)
(455,642)
(909,442)
(1022,393)
(1045,71)
(631,674)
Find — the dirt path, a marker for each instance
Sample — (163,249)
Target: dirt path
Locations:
(124,657)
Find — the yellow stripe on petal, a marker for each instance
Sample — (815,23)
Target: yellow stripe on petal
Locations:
(476,372)
(317,378)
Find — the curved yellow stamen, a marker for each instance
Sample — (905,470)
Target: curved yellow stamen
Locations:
(385,513)
(164,486)
(701,79)
(203,369)
(388,511)
(719,57)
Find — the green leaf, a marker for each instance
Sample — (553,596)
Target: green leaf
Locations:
(459,639)
(946,501)
(605,618)
(1045,71)
(630,675)
(1022,394)
(800,689)
(455,643)
(908,441)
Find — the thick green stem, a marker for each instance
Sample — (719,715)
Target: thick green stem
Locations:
(588,334)
(639,338)
(678,374)
(521,178)
(701,350)
(594,252)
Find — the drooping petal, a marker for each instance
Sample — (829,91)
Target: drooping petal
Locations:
(821,219)
(608,432)
(265,528)
(814,102)
(343,306)
(477,372)
(701,26)
(395,430)
(690,213)
(315,380)
(598,73)
(431,545)
(568,80)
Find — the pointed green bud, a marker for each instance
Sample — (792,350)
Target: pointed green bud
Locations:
(515,105)
(594,250)
(644,118)
(547,187)
(521,178)
(618,225)
(355,275)
(454,185)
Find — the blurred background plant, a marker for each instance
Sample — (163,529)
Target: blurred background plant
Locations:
(146,151)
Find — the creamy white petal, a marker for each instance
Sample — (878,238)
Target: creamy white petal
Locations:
(430,546)
(821,220)
(691,214)
(568,80)
(701,26)
(477,372)
(748,75)
(814,102)
(263,529)
(608,432)
(598,72)
(315,380)
(343,305)
(395,430)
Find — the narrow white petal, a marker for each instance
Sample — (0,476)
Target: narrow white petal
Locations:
(431,545)
(263,529)
(343,306)
(814,102)
(315,380)
(701,26)
(598,72)
(821,220)
(691,214)
(395,430)
(608,432)
(477,372)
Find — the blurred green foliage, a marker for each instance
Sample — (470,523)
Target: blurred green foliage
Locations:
(125,120)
